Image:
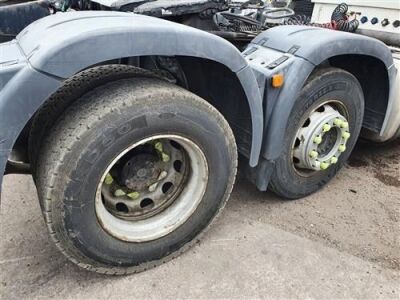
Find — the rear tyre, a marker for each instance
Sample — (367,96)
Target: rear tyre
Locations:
(132,173)
(322,130)
(72,89)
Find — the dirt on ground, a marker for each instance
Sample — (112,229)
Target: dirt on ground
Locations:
(358,212)
(339,243)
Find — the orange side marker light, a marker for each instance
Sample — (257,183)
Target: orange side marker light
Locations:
(277,80)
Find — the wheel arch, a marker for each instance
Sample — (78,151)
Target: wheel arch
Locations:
(61,45)
(314,48)
(78,39)
(213,77)
(208,79)
(374,78)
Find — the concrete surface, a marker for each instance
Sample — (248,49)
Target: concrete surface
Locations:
(342,242)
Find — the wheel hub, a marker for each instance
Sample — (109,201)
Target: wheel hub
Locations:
(147,182)
(162,206)
(321,139)
(141,171)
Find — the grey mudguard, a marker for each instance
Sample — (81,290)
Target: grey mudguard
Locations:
(57,47)
(306,47)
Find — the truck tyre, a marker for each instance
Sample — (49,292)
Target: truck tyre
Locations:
(132,173)
(322,130)
(72,89)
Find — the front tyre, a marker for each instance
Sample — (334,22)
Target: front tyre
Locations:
(322,130)
(132,173)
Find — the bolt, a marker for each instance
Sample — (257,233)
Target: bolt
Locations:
(342,148)
(164,157)
(334,160)
(134,195)
(345,125)
(324,165)
(346,135)
(313,154)
(326,127)
(162,175)
(158,146)
(108,180)
(153,187)
(119,193)
(318,139)
(338,122)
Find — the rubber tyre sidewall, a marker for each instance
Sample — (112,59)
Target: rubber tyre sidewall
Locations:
(73,207)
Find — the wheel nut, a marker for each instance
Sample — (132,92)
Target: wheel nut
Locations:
(326,127)
(334,160)
(165,157)
(158,146)
(345,125)
(134,195)
(162,175)
(346,135)
(108,180)
(318,139)
(342,148)
(324,165)
(119,193)
(338,122)
(153,187)
(313,154)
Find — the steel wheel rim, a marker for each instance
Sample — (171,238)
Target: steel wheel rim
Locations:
(306,157)
(171,215)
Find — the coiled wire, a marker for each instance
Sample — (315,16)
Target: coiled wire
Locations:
(339,16)
(305,20)
(339,20)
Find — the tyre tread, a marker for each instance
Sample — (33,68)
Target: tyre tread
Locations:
(76,120)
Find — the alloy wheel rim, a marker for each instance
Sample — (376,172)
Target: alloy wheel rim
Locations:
(321,138)
(151,188)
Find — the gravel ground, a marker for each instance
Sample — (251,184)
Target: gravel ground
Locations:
(342,242)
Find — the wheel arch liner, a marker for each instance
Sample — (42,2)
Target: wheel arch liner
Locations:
(57,47)
(312,46)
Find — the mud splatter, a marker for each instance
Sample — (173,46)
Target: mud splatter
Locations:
(356,162)
(387,179)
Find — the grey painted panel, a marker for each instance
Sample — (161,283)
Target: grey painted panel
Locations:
(315,45)
(65,43)
(11,61)
(295,76)
(61,45)
(19,100)
(318,44)
(250,86)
